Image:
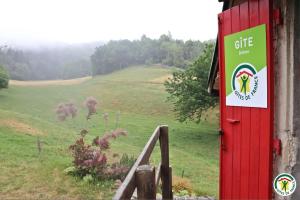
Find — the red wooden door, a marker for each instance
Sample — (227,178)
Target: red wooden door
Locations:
(246,141)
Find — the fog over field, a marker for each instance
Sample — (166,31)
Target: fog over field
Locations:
(41,40)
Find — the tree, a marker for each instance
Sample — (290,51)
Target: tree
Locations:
(116,55)
(4,78)
(188,88)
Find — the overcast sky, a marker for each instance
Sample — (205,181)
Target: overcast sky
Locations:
(78,21)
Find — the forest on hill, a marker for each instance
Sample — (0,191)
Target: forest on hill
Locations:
(74,61)
(116,55)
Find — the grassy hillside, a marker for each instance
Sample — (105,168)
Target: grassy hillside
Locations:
(27,112)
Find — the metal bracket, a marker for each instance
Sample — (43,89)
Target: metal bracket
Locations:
(277,146)
(221,132)
(277,16)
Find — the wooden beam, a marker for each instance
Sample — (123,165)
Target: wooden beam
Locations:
(128,186)
(157,175)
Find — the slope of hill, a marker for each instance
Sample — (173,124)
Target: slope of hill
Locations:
(28,112)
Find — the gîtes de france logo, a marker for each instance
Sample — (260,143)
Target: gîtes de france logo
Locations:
(284,184)
(244,81)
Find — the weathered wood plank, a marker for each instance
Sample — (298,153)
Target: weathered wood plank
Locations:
(128,186)
(165,173)
(157,175)
(145,180)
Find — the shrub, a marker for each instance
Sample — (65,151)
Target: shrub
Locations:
(64,110)
(89,160)
(118,171)
(88,178)
(91,103)
(181,186)
(4,78)
(70,170)
(92,160)
(127,160)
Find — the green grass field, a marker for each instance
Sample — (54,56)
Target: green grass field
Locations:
(138,93)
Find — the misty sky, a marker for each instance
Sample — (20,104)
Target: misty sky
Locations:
(78,21)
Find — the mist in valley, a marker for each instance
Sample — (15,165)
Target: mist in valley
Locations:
(46,40)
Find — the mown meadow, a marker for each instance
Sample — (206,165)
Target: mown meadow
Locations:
(137,94)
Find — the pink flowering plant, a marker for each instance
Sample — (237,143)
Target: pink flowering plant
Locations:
(90,159)
(65,110)
(91,104)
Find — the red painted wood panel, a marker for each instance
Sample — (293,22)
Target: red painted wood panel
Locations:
(246,113)
(228,113)
(221,99)
(246,147)
(236,176)
(255,122)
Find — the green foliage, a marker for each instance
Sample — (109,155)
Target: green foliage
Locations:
(88,178)
(70,170)
(116,55)
(4,78)
(127,161)
(188,89)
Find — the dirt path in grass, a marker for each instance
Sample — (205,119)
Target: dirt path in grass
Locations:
(20,127)
(50,82)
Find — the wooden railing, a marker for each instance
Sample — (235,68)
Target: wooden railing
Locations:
(142,176)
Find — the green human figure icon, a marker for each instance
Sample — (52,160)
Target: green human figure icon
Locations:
(244,79)
(284,185)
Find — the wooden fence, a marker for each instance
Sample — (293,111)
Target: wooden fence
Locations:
(142,176)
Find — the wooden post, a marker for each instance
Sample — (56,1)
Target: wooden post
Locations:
(165,172)
(145,182)
(170,171)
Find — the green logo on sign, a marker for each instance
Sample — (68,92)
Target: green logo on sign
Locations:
(244,81)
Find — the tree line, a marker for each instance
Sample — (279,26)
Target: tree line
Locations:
(116,55)
(63,62)
(66,62)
